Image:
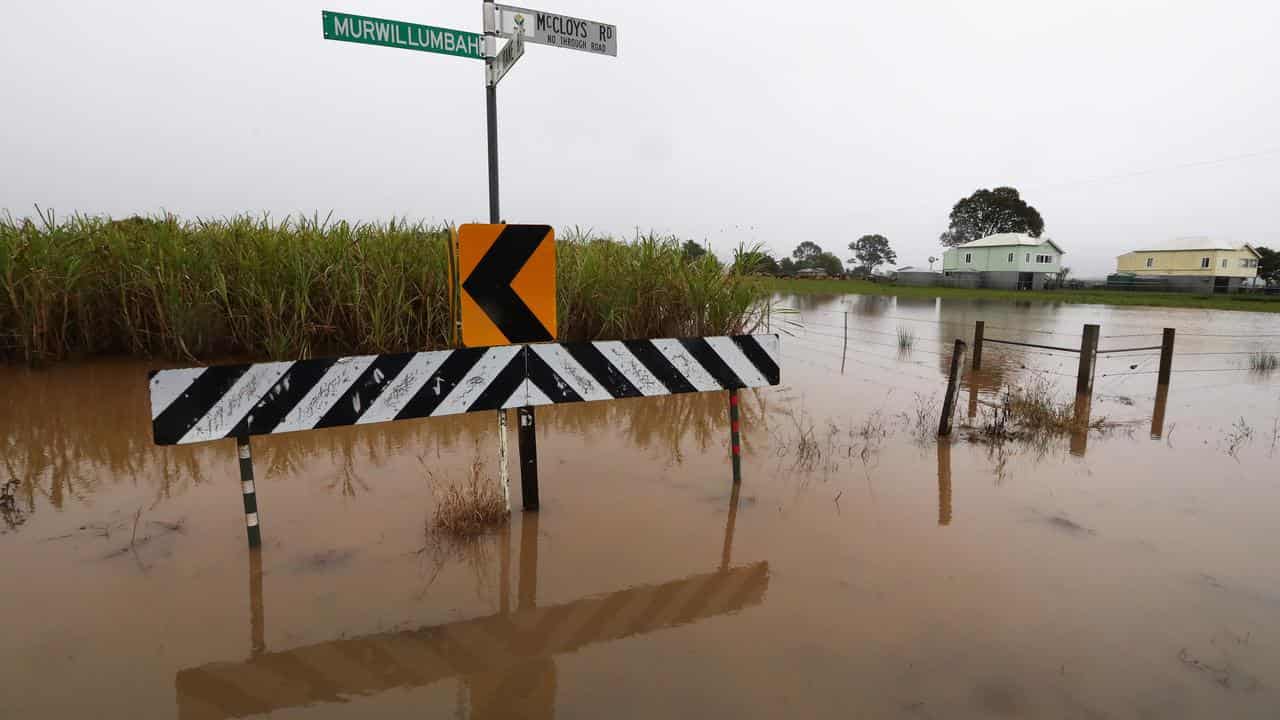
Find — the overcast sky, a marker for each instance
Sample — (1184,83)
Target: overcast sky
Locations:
(1123,122)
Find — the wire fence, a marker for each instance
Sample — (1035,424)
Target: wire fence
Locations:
(846,343)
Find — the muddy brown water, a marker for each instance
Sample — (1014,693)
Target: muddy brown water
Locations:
(867,572)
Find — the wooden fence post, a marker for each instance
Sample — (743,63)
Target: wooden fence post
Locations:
(1157,412)
(845,347)
(978,329)
(953,389)
(1088,355)
(1166,358)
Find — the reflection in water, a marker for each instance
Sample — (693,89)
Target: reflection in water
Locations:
(59,453)
(917,306)
(1157,413)
(505,661)
(257,618)
(944,481)
(528,590)
(871,305)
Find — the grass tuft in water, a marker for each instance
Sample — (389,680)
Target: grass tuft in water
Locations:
(1031,411)
(906,339)
(470,508)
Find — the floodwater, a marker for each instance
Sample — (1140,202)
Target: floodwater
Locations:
(862,570)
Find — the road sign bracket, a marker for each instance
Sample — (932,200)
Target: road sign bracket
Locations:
(506,59)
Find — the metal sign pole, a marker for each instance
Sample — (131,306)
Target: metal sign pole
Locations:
(491,124)
(491,102)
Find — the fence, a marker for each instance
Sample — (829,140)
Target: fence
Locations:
(1143,351)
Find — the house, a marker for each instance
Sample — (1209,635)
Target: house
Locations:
(811,273)
(1191,264)
(1006,260)
(911,275)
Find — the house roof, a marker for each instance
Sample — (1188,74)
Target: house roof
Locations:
(1193,243)
(1009,240)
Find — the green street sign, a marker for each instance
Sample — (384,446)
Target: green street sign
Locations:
(407,36)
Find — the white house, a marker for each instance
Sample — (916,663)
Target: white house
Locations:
(1007,260)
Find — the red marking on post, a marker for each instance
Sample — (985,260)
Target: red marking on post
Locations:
(736,449)
(733,399)
(734,425)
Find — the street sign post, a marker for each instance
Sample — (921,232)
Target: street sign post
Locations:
(394,33)
(507,291)
(562,31)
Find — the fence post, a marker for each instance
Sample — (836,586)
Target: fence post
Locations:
(248,491)
(844,348)
(978,328)
(734,443)
(527,438)
(953,389)
(1088,354)
(1157,412)
(1081,413)
(1166,358)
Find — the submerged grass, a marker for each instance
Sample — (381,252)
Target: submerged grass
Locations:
(906,338)
(470,508)
(1031,411)
(298,287)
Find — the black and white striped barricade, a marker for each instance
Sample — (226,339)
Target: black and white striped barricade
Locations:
(192,405)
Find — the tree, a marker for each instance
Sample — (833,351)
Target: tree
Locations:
(1269,265)
(788,267)
(806,254)
(987,212)
(769,265)
(829,263)
(872,251)
(693,251)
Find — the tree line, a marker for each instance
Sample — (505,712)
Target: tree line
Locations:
(985,212)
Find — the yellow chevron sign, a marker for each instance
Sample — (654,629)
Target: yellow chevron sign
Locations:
(508,276)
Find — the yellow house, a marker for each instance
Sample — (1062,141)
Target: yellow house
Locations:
(1195,263)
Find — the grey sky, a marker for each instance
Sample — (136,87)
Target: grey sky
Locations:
(726,122)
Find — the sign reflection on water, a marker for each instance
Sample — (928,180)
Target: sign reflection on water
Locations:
(503,659)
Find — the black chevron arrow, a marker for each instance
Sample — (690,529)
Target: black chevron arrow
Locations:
(490,283)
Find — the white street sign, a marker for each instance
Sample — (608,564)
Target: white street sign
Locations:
(513,51)
(558,30)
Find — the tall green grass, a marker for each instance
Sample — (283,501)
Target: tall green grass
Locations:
(298,287)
